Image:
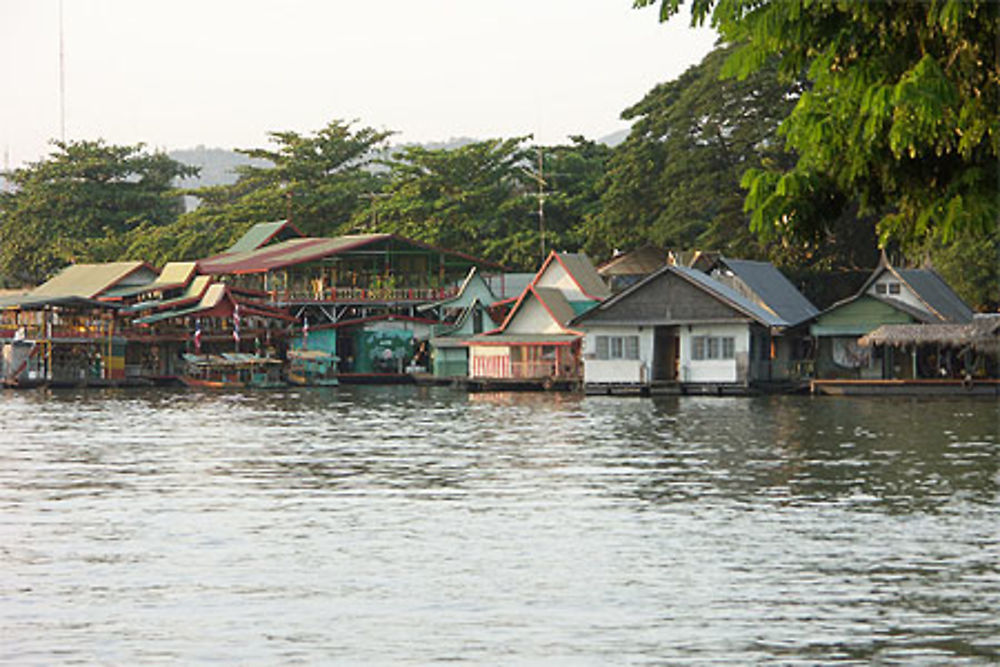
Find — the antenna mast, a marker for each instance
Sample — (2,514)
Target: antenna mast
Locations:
(62,78)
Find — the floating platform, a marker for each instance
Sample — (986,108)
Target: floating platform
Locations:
(973,387)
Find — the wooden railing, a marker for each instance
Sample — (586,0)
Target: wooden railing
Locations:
(349,294)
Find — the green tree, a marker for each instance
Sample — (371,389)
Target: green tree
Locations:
(902,114)
(470,198)
(319,181)
(675,180)
(79,203)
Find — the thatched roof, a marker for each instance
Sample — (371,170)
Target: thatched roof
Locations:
(982,334)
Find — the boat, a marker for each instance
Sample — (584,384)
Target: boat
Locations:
(231,371)
(312,368)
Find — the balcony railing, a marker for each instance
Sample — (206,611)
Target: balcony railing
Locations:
(355,294)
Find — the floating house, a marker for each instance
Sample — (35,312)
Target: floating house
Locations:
(678,330)
(359,293)
(890,296)
(763,284)
(65,331)
(534,346)
(462,316)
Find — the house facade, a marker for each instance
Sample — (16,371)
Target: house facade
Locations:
(890,296)
(534,343)
(677,328)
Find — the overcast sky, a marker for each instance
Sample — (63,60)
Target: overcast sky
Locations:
(179,73)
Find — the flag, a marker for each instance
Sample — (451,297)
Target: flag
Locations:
(197,336)
(236,323)
(305,333)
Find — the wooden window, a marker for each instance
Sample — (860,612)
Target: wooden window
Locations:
(729,347)
(617,347)
(880,288)
(631,347)
(893,288)
(602,347)
(698,347)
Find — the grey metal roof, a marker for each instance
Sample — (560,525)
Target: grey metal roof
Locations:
(731,296)
(513,284)
(936,293)
(701,280)
(586,276)
(773,289)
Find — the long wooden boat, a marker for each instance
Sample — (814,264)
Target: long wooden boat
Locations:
(231,371)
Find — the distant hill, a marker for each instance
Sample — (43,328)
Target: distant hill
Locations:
(218,165)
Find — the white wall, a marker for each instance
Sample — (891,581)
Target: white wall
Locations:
(905,294)
(713,370)
(617,371)
(533,318)
(556,276)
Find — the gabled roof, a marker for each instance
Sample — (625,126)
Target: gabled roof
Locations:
(639,262)
(213,297)
(552,300)
(580,270)
(940,301)
(302,250)
(88,280)
(935,292)
(195,290)
(263,233)
(174,275)
(472,281)
(702,281)
(772,288)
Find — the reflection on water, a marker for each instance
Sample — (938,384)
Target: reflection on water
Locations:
(408,525)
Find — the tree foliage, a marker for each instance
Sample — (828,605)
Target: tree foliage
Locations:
(318,181)
(482,198)
(675,181)
(78,203)
(902,114)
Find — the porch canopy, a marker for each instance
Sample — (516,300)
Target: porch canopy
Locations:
(981,335)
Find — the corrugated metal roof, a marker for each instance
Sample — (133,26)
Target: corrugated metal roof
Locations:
(701,280)
(586,276)
(773,288)
(194,292)
(513,285)
(639,262)
(87,280)
(301,250)
(213,297)
(731,296)
(937,294)
(263,233)
(556,302)
(173,275)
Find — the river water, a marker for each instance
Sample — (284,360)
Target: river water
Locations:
(404,525)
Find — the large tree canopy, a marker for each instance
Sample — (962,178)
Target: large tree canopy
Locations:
(318,181)
(675,181)
(70,206)
(903,112)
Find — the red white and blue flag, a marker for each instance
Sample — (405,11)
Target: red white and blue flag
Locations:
(236,323)
(197,336)
(305,333)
